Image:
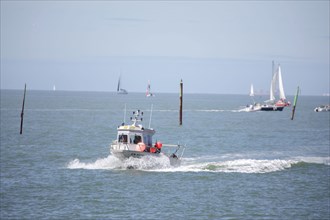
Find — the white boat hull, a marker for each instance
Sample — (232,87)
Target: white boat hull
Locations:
(271,108)
(322,108)
(125,154)
(252,108)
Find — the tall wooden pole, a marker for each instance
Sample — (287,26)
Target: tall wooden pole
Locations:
(295,103)
(181,99)
(22,113)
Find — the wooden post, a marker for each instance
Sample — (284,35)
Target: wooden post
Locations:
(295,103)
(181,99)
(22,113)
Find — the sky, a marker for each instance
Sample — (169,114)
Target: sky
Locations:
(216,47)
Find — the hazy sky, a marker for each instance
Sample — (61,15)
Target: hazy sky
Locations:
(214,46)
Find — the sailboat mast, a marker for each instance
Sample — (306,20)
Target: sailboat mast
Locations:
(273,68)
(272,87)
(181,99)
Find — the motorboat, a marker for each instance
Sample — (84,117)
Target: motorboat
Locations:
(252,107)
(136,141)
(322,108)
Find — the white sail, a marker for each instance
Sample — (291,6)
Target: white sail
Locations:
(280,84)
(251,90)
(273,87)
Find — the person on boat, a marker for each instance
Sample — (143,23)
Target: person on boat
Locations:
(123,138)
(158,146)
(137,139)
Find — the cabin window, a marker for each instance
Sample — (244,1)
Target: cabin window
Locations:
(122,138)
(136,138)
(148,140)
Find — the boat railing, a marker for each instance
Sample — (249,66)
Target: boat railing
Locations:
(116,145)
(178,147)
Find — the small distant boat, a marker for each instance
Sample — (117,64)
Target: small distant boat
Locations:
(322,108)
(148,93)
(253,107)
(136,141)
(119,89)
(271,105)
(54,88)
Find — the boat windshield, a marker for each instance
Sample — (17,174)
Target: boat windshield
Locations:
(122,138)
(136,138)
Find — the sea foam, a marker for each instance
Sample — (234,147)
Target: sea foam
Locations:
(162,164)
(111,162)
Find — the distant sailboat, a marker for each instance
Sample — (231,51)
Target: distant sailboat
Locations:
(119,89)
(271,105)
(282,102)
(251,91)
(148,93)
(253,107)
(54,88)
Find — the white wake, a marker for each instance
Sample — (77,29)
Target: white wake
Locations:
(162,164)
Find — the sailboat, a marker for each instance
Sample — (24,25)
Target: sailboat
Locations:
(271,105)
(282,101)
(148,93)
(119,89)
(252,107)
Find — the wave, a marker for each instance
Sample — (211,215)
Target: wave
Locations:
(314,160)
(240,166)
(113,163)
(161,164)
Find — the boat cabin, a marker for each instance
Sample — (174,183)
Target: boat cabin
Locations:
(135,137)
(136,141)
(130,134)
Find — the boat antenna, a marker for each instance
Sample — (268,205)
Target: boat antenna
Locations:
(136,117)
(150,115)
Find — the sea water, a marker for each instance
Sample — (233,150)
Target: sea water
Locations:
(236,165)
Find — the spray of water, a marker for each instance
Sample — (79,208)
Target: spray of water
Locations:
(162,164)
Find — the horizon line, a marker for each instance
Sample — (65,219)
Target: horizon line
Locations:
(135,92)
